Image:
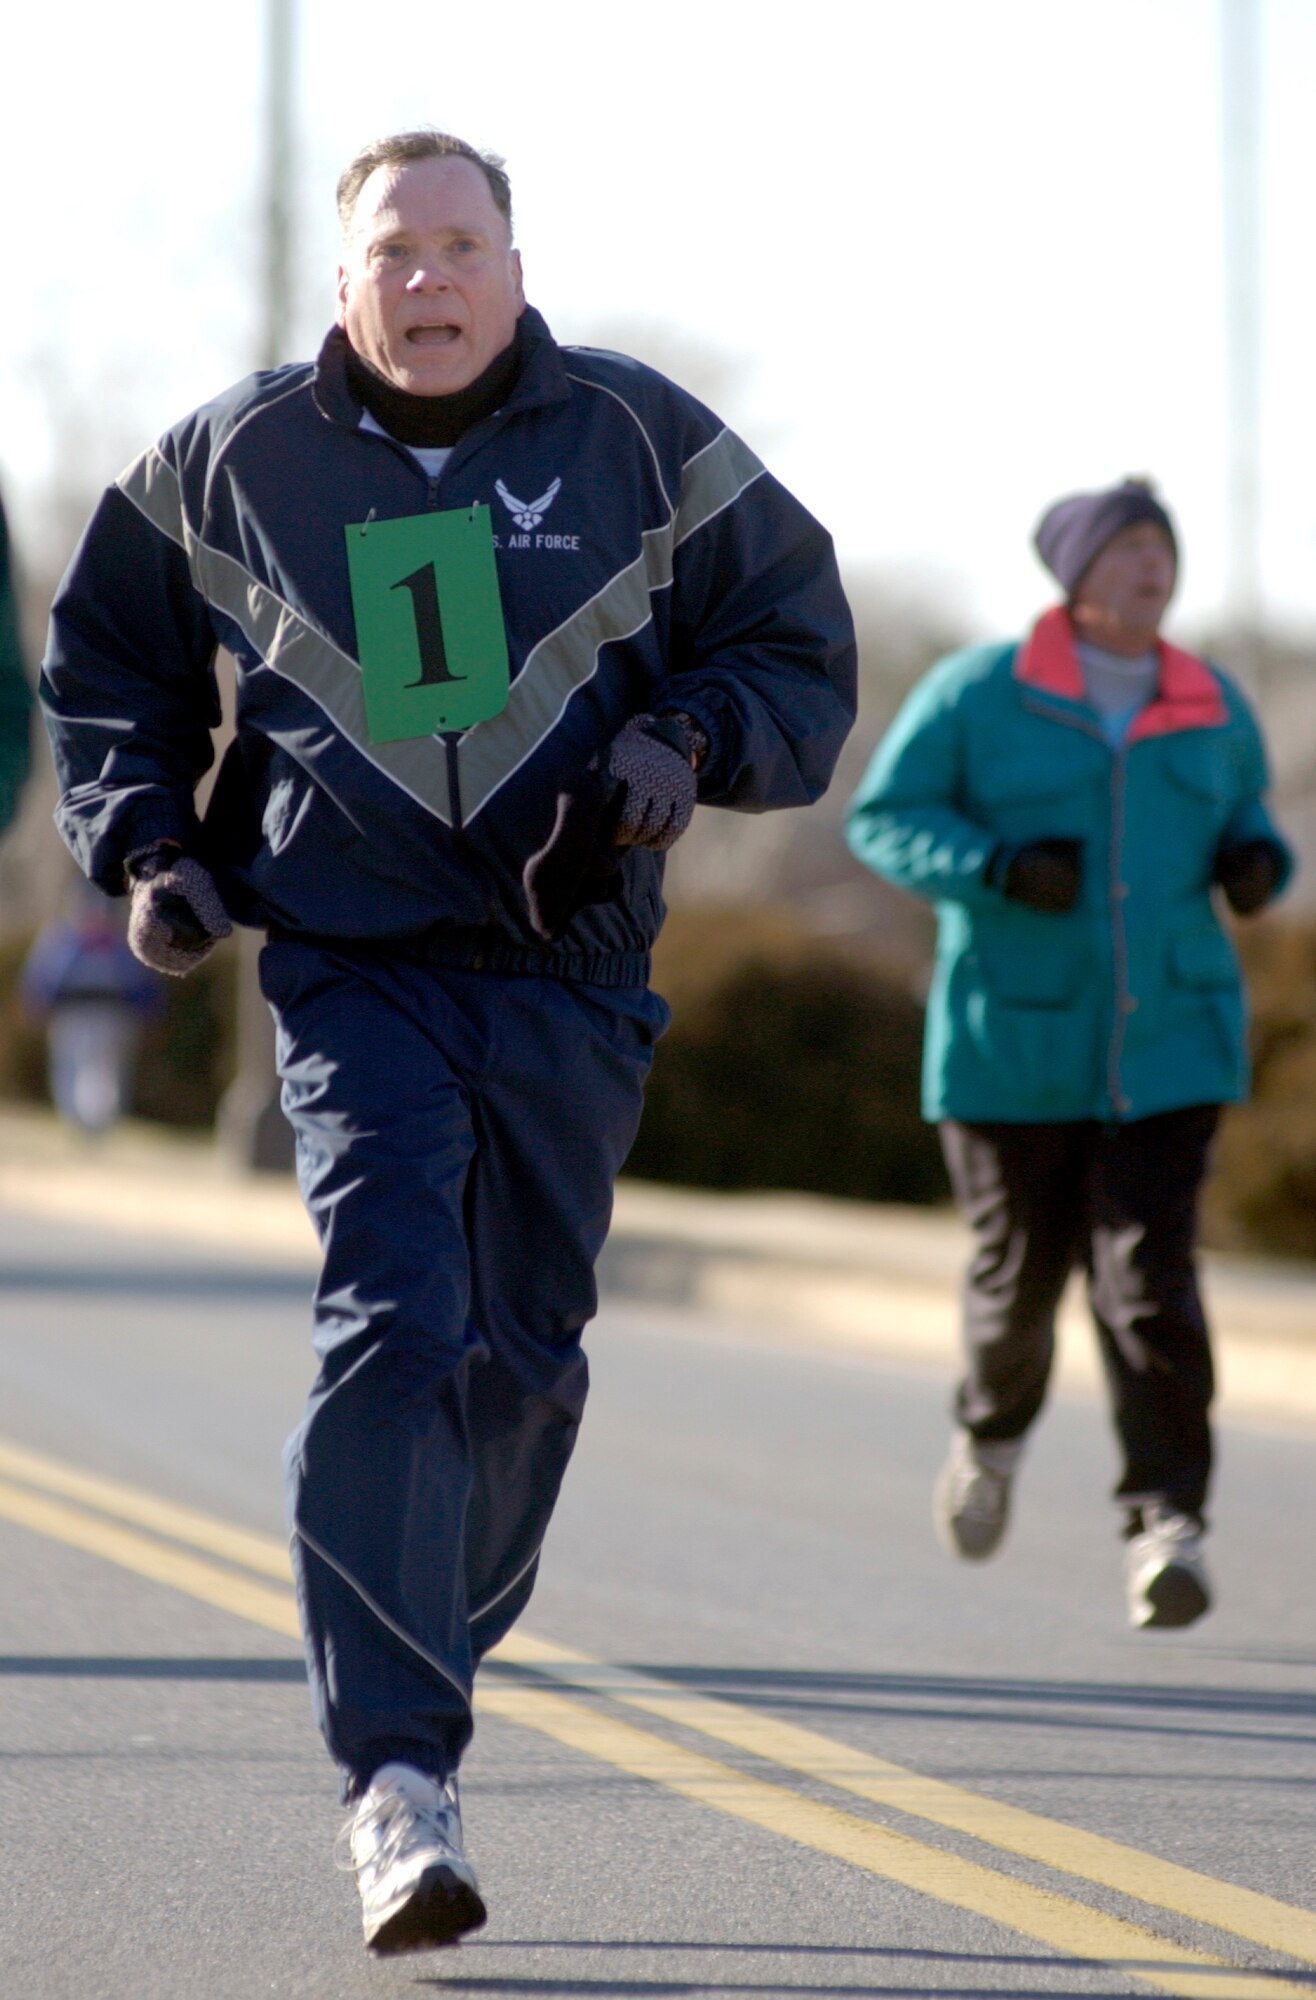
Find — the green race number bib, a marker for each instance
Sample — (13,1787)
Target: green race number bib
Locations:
(429,622)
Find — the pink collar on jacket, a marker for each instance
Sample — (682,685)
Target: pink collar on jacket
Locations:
(1188,696)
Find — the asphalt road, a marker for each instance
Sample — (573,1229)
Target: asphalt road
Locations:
(837,1763)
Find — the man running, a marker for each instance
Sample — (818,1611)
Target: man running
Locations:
(502,612)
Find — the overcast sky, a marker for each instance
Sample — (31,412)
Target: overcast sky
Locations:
(940,261)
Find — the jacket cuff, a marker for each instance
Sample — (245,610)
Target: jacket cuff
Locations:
(146,829)
(696,722)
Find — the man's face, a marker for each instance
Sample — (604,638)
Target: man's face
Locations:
(1123,594)
(429,289)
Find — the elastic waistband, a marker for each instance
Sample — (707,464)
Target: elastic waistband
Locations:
(463,949)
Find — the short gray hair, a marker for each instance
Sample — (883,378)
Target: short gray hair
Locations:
(426,143)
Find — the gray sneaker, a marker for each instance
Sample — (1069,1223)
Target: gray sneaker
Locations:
(404,1841)
(1164,1573)
(971,1505)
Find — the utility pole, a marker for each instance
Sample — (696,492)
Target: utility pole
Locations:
(252,1128)
(1240,174)
(278,181)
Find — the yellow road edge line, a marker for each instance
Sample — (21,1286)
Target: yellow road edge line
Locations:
(1092,1857)
(261,1553)
(1064,1925)
(1068,1927)
(276,1609)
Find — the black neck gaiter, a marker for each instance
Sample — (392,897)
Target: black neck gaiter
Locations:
(434,420)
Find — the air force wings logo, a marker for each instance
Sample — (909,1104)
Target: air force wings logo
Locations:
(527,513)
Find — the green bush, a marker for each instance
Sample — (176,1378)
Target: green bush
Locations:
(188,1052)
(1262,1194)
(794,1064)
(22,1039)
(790,1063)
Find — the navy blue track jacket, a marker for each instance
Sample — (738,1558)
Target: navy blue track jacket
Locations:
(669,569)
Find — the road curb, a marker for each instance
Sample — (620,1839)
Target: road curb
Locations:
(879,1280)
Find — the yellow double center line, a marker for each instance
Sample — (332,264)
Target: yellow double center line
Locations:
(208,1559)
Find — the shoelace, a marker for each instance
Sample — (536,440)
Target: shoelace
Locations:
(396,1820)
(978,1492)
(1173,1534)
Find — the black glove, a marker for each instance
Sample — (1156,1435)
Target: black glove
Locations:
(1249,873)
(1043,874)
(642,797)
(652,757)
(578,863)
(176,917)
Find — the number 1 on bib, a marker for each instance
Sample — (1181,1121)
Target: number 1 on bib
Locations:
(429,622)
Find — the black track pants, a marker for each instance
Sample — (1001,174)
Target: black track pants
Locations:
(1120,1201)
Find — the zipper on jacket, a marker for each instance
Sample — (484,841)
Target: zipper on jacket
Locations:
(1117,891)
(477,435)
(451,740)
(451,737)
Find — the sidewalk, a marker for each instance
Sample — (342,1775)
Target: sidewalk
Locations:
(785,1267)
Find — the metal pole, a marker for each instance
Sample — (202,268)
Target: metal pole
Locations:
(1240,101)
(278,180)
(252,1129)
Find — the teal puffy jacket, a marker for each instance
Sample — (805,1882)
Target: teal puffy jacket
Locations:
(1132,1002)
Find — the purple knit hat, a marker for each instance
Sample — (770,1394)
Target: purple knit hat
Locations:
(1071,534)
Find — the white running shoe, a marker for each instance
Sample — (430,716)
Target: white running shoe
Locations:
(1163,1570)
(971,1505)
(404,1840)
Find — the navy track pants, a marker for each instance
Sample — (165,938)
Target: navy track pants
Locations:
(458,1136)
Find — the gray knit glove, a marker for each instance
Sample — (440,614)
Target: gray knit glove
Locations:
(651,757)
(176,917)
